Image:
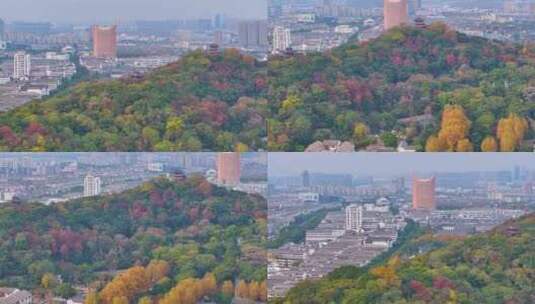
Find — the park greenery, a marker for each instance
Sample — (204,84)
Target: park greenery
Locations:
(167,241)
(494,267)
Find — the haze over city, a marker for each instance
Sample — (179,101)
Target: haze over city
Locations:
(85,11)
(388,164)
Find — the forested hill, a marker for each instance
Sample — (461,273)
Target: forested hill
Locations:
(438,89)
(201,102)
(161,236)
(402,82)
(494,267)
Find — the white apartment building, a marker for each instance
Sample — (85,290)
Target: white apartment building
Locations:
(22,65)
(282,39)
(354,218)
(92,186)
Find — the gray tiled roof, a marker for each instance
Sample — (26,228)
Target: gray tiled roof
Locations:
(14,296)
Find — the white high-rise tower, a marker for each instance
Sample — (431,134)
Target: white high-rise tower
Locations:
(282,39)
(354,218)
(22,65)
(91,185)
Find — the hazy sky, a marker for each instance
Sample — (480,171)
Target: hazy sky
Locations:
(385,164)
(89,11)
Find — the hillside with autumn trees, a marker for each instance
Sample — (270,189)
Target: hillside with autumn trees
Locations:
(434,88)
(202,102)
(166,241)
(403,86)
(493,267)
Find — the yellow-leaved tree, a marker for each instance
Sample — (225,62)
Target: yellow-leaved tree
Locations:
(435,144)
(227,288)
(453,133)
(511,132)
(489,144)
(464,145)
(454,127)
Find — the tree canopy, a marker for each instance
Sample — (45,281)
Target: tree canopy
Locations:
(142,242)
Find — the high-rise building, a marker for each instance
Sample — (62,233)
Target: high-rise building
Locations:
(91,185)
(22,65)
(423,193)
(282,39)
(104,41)
(354,218)
(396,13)
(228,168)
(253,34)
(306,179)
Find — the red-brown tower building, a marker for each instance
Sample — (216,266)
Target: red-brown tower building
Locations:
(423,193)
(104,41)
(228,168)
(396,13)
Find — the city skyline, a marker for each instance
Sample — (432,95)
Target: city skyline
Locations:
(55,177)
(392,164)
(84,11)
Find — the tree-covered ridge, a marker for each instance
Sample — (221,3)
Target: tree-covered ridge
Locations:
(400,83)
(168,231)
(494,267)
(202,102)
(396,87)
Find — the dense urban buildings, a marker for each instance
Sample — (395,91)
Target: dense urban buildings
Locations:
(423,193)
(104,41)
(348,221)
(228,168)
(396,13)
